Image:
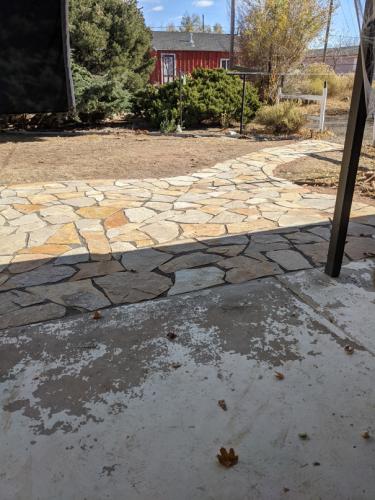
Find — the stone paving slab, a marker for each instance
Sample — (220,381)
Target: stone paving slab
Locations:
(80,246)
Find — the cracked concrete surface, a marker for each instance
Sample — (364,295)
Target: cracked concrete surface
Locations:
(115,409)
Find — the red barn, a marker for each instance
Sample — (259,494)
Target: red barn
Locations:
(180,52)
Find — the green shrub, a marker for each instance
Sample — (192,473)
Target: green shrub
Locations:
(168,126)
(98,97)
(208,96)
(214,93)
(158,104)
(283,118)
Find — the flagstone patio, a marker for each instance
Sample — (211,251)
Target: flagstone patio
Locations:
(76,246)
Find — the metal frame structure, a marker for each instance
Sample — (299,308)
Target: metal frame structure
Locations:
(353,145)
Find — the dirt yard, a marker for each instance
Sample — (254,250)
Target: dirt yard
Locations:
(323,170)
(114,154)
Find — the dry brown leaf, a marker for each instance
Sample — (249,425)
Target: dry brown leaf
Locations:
(96,315)
(223,404)
(175,366)
(365,435)
(303,435)
(227,458)
(279,376)
(171,336)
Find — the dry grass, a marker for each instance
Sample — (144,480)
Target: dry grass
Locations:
(335,106)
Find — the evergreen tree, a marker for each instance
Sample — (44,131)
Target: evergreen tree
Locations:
(109,37)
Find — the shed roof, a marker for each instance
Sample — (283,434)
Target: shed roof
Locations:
(175,40)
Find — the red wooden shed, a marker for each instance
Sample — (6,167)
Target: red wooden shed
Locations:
(180,52)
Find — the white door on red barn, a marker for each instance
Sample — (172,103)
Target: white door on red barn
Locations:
(168,67)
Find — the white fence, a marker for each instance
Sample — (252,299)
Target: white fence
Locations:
(309,97)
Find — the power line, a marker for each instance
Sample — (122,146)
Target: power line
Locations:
(344,16)
(353,17)
(178,29)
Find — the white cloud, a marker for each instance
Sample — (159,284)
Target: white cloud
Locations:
(157,8)
(203,3)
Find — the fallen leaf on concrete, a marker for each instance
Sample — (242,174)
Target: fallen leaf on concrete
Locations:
(97,315)
(303,435)
(227,458)
(175,366)
(349,349)
(365,435)
(172,336)
(279,376)
(286,490)
(222,404)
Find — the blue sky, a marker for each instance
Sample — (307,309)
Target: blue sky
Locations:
(161,12)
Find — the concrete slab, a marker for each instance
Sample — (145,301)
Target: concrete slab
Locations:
(114,408)
(348,302)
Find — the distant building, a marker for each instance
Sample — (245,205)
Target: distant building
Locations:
(181,52)
(341,59)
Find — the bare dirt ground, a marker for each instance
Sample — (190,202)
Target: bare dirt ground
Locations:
(323,170)
(114,154)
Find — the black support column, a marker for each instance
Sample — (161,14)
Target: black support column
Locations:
(352,148)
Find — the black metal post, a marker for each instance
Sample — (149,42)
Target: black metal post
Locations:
(243,103)
(352,149)
(181,83)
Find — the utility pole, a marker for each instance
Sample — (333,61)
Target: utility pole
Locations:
(330,11)
(203,26)
(232,32)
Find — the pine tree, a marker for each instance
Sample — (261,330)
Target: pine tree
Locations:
(110,37)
